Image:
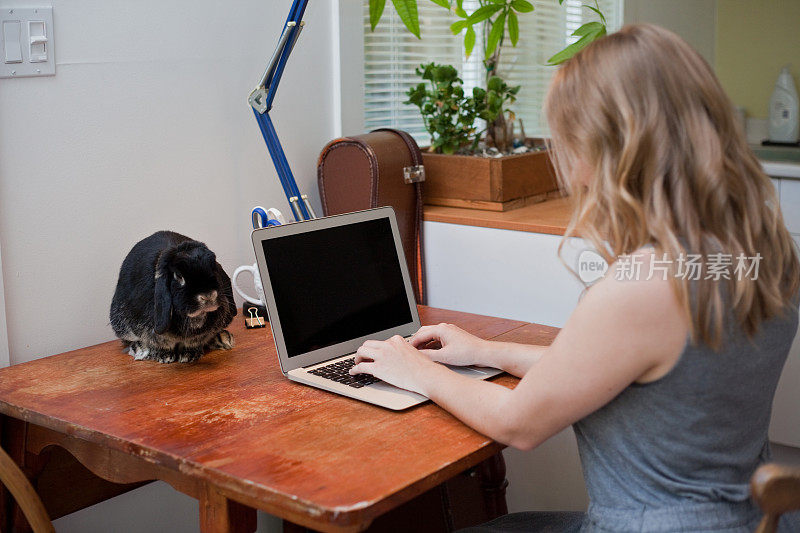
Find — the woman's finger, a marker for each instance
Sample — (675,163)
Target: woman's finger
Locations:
(366,352)
(433,355)
(426,334)
(372,343)
(363,368)
(396,340)
(359,358)
(432,345)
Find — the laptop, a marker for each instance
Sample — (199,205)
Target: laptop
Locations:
(332,283)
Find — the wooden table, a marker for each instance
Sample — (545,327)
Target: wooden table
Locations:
(232,432)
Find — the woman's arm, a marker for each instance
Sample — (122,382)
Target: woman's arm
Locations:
(457,347)
(513,358)
(620,332)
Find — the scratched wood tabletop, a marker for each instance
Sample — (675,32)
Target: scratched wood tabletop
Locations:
(232,419)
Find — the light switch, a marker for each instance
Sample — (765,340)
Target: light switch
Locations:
(37,31)
(28,46)
(12,43)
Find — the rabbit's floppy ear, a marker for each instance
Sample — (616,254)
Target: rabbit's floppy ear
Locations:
(162,298)
(226,289)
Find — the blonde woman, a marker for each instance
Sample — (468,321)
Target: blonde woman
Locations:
(668,380)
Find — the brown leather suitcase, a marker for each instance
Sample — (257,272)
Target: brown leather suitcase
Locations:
(380,168)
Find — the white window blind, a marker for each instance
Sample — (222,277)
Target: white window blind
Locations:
(391,54)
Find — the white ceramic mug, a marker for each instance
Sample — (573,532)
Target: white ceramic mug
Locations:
(260,299)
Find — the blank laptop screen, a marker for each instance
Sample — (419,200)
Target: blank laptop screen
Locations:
(336,284)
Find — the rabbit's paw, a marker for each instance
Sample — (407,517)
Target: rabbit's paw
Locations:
(139,352)
(190,356)
(223,341)
(164,357)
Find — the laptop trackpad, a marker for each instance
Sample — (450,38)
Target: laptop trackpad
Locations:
(472,372)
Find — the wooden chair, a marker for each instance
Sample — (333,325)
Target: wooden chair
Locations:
(27,499)
(776,490)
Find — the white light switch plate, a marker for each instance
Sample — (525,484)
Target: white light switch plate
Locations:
(36,41)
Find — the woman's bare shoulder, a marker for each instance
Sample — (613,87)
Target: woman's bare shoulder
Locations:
(639,298)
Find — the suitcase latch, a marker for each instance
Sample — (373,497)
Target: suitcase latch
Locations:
(414,174)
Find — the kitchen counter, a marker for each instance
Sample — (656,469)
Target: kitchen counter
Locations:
(781,169)
(779,161)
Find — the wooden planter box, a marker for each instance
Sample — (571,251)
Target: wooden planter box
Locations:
(491,183)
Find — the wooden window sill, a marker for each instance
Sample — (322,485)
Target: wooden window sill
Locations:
(550,217)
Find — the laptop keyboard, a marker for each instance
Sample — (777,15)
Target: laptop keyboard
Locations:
(340,372)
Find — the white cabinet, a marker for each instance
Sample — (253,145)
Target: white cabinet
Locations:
(790,204)
(777,183)
(785,425)
(510,274)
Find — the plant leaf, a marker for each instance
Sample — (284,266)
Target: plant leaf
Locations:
(513,28)
(407,10)
(589,7)
(458,26)
(469,41)
(602,17)
(375,12)
(588,35)
(495,84)
(589,27)
(498,27)
(483,13)
(444,3)
(523,6)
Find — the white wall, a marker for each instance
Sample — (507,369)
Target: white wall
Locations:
(694,20)
(144,127)
(4,358)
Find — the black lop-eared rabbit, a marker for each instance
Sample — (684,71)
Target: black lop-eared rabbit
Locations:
(173,300)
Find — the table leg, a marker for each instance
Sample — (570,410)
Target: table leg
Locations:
(493,484)
(218,514)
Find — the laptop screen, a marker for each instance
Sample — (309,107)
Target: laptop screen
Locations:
(336,284)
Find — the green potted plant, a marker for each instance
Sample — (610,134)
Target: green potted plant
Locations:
(455,176)
(459,173)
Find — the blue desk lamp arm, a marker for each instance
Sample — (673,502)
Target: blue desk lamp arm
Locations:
(261,99)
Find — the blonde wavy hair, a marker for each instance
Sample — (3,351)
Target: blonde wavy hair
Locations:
(646,142)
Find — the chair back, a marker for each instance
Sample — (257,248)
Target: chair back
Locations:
(776,490)
(22,490)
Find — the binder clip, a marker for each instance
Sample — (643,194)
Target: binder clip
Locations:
(253,318)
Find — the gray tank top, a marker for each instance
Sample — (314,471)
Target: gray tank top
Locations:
(677,454)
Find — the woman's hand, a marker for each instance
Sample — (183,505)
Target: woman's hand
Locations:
(394,361)
(451,345)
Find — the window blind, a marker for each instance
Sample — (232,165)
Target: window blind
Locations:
(391,54)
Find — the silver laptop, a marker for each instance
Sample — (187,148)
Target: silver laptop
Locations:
(331,284)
